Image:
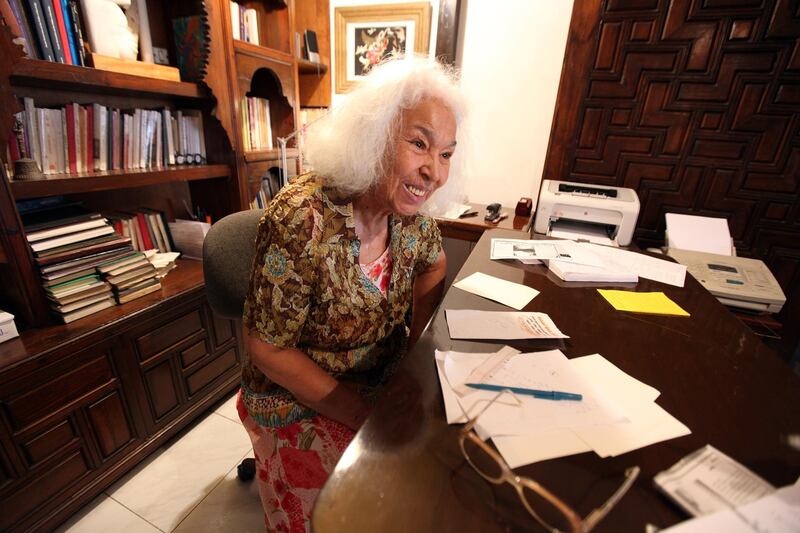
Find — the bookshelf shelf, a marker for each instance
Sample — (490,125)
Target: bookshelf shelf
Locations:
(114,179)
(261,52)
(267,155)
(308,67)
(38,73)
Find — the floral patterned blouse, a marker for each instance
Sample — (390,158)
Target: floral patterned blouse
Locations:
(308,291)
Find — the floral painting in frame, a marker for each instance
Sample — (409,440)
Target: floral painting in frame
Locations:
(366,35)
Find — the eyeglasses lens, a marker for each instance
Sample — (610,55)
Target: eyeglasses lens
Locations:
(547,514)
(481,461)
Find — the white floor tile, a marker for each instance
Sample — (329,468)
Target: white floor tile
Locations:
(171,485)
(228,408)
(233,506)
(108,516)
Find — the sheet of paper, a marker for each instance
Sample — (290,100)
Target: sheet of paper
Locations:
(701,234)
(460,365)
(455,210)
(519,451)
(501,325)
(778,512)
(577,231)
(648,423)
(642,302)
(507,293)
(534,250)
(549,370)
(707,481)
(643,265)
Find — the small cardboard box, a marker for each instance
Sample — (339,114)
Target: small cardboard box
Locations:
(8,330)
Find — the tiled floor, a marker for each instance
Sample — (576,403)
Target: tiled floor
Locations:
(188,485)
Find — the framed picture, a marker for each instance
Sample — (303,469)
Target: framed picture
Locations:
(365,35)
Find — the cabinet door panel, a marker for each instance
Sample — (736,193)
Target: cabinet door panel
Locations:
(211,371)
(110,423)
(161,390)
(223,329)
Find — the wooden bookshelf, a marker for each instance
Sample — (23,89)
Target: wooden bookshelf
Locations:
(42,74)
(114,179)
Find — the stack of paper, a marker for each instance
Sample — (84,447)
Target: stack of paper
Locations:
(618,413)
(700,234)
(584,261)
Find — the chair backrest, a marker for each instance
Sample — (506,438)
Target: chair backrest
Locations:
(228,251)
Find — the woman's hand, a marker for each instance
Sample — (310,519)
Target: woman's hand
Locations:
(311,385)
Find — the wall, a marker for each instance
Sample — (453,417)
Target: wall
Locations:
(511,65)
(349,3)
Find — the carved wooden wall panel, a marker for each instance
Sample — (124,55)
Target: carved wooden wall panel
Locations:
(696,105)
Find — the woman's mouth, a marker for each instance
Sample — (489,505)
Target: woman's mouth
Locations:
(419,193)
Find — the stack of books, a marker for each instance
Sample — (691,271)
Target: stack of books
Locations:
(81,139)
(130,276)
(68,242)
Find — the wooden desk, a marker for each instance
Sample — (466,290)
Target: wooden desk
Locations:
(471,228)
(404,470)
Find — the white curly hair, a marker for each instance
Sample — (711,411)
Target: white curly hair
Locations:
(352,146)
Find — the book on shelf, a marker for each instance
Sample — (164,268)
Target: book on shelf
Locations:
(16,19)
(77,304)
(103,289)
(72,238)
(86,311)
(135,274)
(311,46)
(138,290)
(36,16)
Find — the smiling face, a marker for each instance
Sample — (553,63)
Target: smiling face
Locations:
(421,161)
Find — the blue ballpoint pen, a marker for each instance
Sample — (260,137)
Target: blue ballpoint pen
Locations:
(543,394)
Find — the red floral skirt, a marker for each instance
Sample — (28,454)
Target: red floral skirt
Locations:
(292,464)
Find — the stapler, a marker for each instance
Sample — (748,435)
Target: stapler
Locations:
(492,212)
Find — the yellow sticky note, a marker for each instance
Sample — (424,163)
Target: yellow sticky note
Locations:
(642,302)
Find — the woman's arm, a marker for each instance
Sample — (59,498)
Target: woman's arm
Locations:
(296,372)
(428,288)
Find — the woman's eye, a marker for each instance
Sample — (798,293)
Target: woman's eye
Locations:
(447,155)
(419,144)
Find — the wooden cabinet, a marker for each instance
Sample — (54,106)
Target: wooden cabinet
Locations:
(79,409)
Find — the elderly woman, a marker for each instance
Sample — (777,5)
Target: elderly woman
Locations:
(347,273)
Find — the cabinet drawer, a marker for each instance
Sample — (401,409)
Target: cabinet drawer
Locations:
(169,334)
(48,442)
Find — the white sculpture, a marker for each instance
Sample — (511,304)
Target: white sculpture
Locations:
(112,32)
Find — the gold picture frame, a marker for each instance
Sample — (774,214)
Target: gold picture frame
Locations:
(366,34)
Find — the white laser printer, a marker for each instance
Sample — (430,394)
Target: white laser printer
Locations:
(589,210)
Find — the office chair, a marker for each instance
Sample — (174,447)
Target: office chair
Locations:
(228,251)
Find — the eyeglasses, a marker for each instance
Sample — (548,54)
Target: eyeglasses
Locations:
(545,507)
